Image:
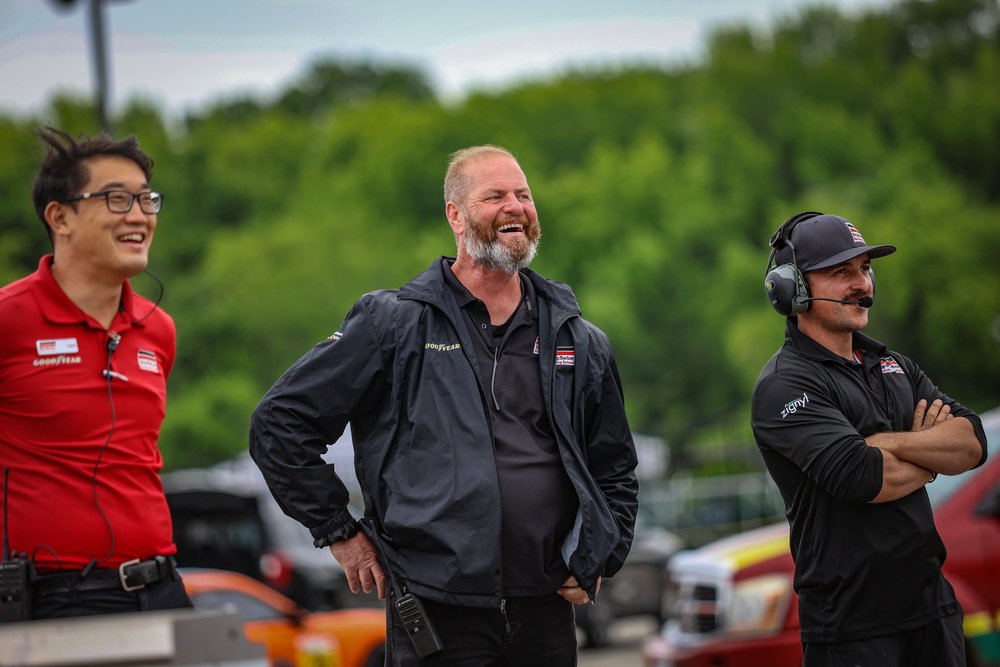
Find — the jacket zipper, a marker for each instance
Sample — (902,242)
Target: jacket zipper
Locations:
(489,419)
(493,377)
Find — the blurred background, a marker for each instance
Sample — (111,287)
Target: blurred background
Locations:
(664,142)
(301,148)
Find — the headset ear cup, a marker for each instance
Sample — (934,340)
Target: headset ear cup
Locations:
(786,289)
(802,299)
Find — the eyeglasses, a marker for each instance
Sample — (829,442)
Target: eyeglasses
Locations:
(120,201)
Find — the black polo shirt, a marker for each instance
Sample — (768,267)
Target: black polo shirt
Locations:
(861,569)
(538,503)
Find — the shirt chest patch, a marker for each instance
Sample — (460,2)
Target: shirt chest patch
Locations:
(890,366)
(565,356)
(52,346)
(147,361)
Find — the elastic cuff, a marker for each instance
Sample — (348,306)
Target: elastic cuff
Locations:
(341,527)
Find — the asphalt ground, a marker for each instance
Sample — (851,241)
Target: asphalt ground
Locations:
(627,637)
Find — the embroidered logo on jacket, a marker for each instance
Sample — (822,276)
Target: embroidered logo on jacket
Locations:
(443,347)
(890,365)
(791,407)
(147,361)
(335,336)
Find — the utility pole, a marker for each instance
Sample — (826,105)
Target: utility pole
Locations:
(100,63)
(98,58)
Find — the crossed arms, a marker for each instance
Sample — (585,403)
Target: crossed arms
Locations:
(936,443)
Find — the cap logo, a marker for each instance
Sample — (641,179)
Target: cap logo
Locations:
(855,234)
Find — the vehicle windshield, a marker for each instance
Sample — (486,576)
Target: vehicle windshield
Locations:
(944,486)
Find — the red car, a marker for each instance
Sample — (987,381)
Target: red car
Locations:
(731,602)
(292,636)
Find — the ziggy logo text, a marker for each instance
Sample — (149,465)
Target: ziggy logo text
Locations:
(791,407)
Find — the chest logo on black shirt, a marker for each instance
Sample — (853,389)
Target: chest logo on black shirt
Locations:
(793,406)
(565,356)
(890,365)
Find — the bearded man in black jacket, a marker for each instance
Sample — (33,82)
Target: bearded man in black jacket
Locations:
(494,454)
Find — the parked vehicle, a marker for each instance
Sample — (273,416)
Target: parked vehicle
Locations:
(675,514)
(731,602)
(224,517)
(637,589)
(291,635)
(700,510)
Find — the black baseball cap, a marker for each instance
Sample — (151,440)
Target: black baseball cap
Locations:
(827,240)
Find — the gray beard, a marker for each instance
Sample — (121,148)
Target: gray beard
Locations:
(495,256)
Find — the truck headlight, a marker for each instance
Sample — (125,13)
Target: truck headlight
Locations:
(759,605)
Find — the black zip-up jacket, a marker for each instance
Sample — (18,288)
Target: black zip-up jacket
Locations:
(403,371)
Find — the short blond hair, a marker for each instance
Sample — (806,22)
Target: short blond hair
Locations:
(456,182)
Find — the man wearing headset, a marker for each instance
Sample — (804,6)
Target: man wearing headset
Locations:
(83,373)
(851,432)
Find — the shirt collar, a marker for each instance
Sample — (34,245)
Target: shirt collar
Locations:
(464,297)
(809,348)
(57,307)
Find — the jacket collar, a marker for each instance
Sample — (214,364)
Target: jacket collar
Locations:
(431,286)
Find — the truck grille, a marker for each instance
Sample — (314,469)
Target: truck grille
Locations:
(696,607)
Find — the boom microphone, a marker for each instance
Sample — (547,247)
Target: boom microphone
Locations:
(864,302)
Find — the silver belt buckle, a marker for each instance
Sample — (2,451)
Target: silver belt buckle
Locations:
(121,576)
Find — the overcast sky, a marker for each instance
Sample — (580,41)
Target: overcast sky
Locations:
(185,53)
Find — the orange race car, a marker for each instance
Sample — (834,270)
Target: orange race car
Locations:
(292,636)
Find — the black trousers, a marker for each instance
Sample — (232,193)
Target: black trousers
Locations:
(167,593)
(938,644)
(536,632)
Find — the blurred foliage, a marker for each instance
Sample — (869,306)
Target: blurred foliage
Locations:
(657,189)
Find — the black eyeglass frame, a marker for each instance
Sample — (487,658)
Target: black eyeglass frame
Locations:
(150,203)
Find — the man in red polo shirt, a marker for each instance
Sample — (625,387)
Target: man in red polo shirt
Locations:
(83,373)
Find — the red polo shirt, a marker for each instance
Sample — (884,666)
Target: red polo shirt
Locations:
(60,416)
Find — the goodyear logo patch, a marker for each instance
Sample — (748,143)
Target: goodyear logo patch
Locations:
(442,347)
(60,360)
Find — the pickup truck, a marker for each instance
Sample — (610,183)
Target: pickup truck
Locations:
(730,603)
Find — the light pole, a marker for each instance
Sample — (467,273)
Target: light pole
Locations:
(98,56)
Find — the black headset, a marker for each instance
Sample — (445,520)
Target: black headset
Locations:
(784,284)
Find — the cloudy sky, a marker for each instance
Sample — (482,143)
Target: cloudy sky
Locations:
(185,53)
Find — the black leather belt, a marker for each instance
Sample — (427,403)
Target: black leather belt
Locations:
(131,575)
